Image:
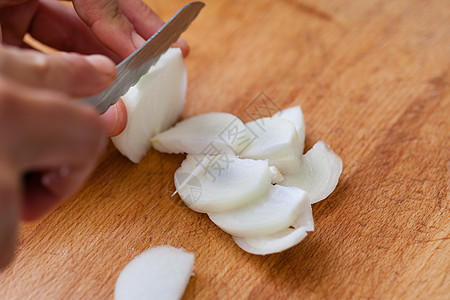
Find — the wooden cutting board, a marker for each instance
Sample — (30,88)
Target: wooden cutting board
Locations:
(372,78)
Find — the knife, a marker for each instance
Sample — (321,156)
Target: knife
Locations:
(130,70)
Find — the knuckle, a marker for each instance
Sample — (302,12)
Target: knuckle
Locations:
(39,66)
(59,68)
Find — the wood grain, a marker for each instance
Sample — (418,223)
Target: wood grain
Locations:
(372,78)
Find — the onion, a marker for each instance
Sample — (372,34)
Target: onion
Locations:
(276,211)
(274,243)
(252,180)
(318,173)
(295,115)
(283,239)
(277,177)
(153,104)
(210,133)
(157,273)
(274,137)
(276,140)
(209,183)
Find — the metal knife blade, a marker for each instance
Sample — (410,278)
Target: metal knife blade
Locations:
(130,70)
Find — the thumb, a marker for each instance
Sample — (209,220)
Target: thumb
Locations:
(110,26)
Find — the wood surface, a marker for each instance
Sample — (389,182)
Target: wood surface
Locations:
(372,78)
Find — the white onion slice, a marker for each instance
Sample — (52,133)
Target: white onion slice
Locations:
(153,104)
(275,140)
(263,218)
(276,211)
(287,164)
(273,243)
(280,240)
(220,183)
(319,172)
(157,273)
(295,115)
(210,133)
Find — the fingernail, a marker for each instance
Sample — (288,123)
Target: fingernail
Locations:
(115,118)
(138,41)
(109,119)
(102,64)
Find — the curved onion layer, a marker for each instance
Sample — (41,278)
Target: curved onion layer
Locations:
(208,183)
(276,211)
(318,174)
(210,133)
(274,243)
(233,183)
(157,273)
(295,115)
(276,139)
(153,104)
(273,137)
(283,239)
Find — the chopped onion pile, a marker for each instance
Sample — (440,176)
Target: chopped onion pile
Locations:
(158,273)
(253,179)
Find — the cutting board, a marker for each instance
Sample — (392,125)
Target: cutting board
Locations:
(372,78)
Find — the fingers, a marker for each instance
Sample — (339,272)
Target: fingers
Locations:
(146,22)
(9,212)
(123,25)
(53,143)
(109,25)
(71,73)
(58,26)
(115,118)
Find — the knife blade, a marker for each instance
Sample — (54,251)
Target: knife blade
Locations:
(130,70)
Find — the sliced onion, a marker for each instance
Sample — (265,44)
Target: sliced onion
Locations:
(220,183)
(153,104)
(210,133)
(319,172)
(280,240)
(287,164)
(157,273)
(275,140)
(262,218)
(276,211)
(274,243)
(295,115)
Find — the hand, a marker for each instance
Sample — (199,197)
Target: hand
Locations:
(48,146)
(49,143)
(113,28)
